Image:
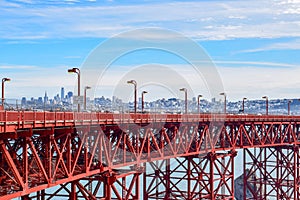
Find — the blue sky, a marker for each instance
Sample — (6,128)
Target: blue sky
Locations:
(255,44)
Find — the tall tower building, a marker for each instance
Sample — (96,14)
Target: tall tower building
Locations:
(45,98)
(62,93)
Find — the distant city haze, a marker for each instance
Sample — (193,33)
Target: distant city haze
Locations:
(255,46)
(163,105)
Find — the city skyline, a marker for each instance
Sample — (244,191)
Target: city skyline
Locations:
(170,105)
(254,57)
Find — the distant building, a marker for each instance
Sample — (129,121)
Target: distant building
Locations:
(23,101)
(70,94)
(46,98)
(40,100)
(62,93)
(56,98)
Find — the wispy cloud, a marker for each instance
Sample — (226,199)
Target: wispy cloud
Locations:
(291,45)
(16,67)
(253,64)
(25,1)
(199,19)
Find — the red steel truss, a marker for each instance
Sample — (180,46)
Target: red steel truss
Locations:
(272,172)
(208,177)
(102,155)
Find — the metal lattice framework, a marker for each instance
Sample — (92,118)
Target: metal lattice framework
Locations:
(208,177)
(102,155)
(272,172)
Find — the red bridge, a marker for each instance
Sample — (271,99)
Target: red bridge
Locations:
(64,155)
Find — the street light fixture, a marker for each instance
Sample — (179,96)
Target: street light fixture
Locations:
(289,106)
(77,71)
(135,92)
(3,81)
(199,96)
(143,93)
(267,104)
(243,107)
(185,98)
(85,89)
(224,94)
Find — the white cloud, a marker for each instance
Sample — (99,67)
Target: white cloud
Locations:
(257,64)
(290,45)
(17,67)
(237,17)
(25,1)
(223,20)
(291,6)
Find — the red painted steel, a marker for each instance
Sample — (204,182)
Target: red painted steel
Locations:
(70,151)
(191,177)
(272,172)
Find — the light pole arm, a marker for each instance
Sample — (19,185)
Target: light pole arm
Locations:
(3,81)
(2,92)
(135,93)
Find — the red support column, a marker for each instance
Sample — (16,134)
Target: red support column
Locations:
(189,185)
(43,195)
(73,194)
(145,192)
(296,168)
(167,178)
(137,187)
(107,188)
(25,161)
(212,159)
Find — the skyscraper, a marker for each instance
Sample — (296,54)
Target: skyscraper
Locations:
(45,98)
(62,93)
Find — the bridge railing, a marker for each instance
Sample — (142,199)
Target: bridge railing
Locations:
(24,117)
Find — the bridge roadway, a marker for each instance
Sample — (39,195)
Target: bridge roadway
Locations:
(80,153)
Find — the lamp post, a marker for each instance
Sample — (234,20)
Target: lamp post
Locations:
(85,89)
(3,81)
(185,98)
(199,96)
(135,92)
(77,71)
(267,104)
(289,106)
(143,93)
(243,107)
(224,94)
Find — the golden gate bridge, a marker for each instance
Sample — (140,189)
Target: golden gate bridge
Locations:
(81,155)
